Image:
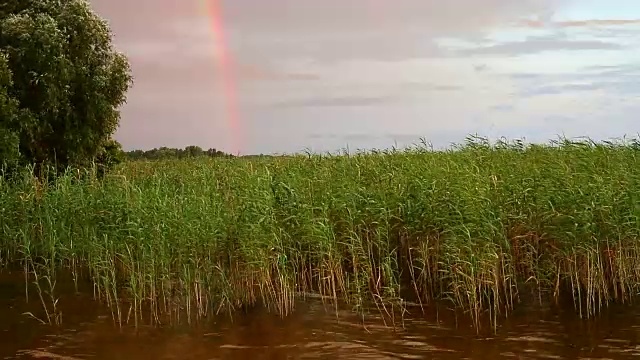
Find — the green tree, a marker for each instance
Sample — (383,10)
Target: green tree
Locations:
(173,153)
(65,81)
(194,151)
(9,141)
(110,155)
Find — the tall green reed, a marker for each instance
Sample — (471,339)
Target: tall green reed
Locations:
(480,226)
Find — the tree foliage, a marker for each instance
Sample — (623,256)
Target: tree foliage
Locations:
(9,141)
(61,82)
(164,153)
(110,155)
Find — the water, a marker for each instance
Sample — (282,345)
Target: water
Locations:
(312,332)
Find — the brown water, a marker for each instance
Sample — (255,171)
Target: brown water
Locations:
(313,332)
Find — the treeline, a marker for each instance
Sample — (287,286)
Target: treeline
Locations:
(163,153)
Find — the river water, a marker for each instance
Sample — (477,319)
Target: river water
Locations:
(312,332)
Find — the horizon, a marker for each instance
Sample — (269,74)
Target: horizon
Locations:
(302,75)
(424,144)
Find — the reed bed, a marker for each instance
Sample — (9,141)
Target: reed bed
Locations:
(477,225)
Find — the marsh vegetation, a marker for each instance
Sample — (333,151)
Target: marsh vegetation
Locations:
(476,226)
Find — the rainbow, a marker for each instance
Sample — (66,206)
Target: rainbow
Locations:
(224,65)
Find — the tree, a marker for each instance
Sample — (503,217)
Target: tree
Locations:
(174,153)
(9,141)
(193,151)
(62,79)
(110,155)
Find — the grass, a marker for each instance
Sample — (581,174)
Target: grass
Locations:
(478,226)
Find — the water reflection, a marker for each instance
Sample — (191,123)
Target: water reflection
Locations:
(314,332)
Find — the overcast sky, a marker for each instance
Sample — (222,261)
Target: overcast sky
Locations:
(324,74)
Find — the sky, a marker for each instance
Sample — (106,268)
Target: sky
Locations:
(283,76)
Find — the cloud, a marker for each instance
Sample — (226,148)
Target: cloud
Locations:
(534,45)
(325,94)
(327,30)
(441,16)
(622,87)
(264,73)
(343,101)
(189,73)
(481,67)
(420,88)
(385,140)
(561,89)
(617,32)
(503,108)
(364,29)
(608,71)
(622,81)
(591,72)
(579,23)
